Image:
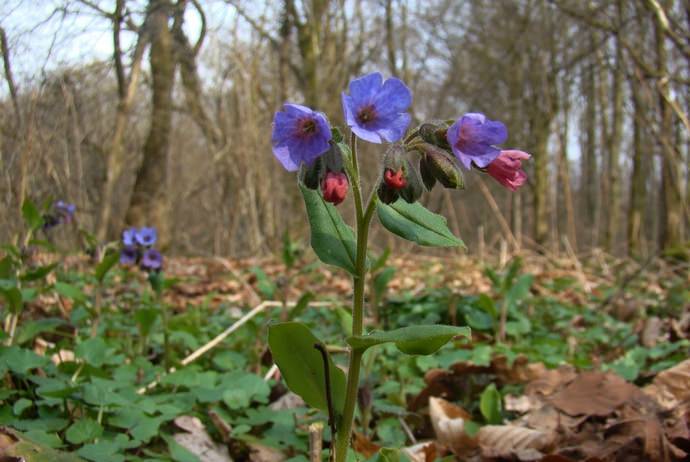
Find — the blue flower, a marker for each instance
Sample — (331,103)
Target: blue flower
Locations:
(375,110)
(299,135)
(472,138)
(129,255)
(146,236)
(152,260)
(129,237)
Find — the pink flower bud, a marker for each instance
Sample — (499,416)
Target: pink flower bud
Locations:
(506,169)
(334,187)
(395,180)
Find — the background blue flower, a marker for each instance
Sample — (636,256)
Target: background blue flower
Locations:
(375,110)
(472,137)
(151,260)
(299,135)
(146,236)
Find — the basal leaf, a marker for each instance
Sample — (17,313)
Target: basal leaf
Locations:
(292,346)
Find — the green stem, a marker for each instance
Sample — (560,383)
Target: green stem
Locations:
(363,220)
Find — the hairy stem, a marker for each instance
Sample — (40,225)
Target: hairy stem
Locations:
(363,217)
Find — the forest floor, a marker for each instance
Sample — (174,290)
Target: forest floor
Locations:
(589,363)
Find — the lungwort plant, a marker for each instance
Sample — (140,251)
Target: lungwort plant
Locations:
(375,111)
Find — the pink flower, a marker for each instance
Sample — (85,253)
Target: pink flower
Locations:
(334,187)
(506,169)
(395,180)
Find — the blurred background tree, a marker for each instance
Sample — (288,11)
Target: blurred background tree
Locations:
(158,112)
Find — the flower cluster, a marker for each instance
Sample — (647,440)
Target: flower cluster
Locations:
(137,248)
(375,110)
(62,213)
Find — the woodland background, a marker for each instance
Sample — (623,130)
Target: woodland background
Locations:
(172,129)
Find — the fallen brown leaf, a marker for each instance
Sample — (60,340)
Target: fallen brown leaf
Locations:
(448,421)
(513,441)
(671,387)
(594,393)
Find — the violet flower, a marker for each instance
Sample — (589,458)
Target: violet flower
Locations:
(129,255)
(146,236)
(472,138)
(375,110)
(152,260)
(299,135)
(129,237)
(65,211)
(506,168)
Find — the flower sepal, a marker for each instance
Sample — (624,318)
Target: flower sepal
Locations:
(437,165)
(414,188)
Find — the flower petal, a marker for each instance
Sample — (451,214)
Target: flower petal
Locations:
(395,129)
(394,97)
(366,135)
(364,88)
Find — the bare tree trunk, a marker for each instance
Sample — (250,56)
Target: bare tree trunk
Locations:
(7,67)
(670,233)
(20,183)
(564,173)
(602,102)
(148,204)
(638,181)
(390,39)
(116,157)
(588,180)
(614,147)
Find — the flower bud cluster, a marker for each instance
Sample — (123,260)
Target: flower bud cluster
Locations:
(137,249)
(376,111)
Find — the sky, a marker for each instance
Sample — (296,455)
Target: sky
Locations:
(44,36)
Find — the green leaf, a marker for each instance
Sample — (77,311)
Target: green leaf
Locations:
(490,405)
(94,351)
(70,291)
(108,261)
(145,317)
(417,224)
(241,388)
(265,286)
(19,360)
(392,454)
(412,340)
(50,440)
(292,346)
(31,329)
(382,279)
(38,273)
(345,318)
(7,267)
(177,452)
(301,304)
(103,451)
(33,446)
(332,239)
(32,217)
(83,430)
(21,405)
(12,294)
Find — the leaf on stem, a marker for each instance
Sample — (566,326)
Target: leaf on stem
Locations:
(412,340)
(417,224)
(332,239)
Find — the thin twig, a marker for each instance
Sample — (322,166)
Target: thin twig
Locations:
(220,337)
